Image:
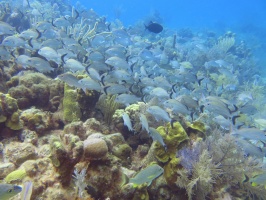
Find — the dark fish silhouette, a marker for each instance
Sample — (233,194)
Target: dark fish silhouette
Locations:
(154,27)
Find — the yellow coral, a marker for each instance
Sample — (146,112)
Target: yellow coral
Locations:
(172,138)
(170,170)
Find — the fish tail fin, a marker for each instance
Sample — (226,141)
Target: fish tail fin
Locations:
(234,119)
(63,58)
(235,109)
(199,81)
(246,178)
(192,116)
(105,89)
(172,123)
(202,108)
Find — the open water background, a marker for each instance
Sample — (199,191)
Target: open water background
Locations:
(246,18)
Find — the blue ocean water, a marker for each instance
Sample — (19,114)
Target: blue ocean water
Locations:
(244,17)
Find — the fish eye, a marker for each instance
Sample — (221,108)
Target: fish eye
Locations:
(10,190)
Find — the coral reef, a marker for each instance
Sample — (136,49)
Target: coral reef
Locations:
(35,89)
(65,151)
(6,168)
(37,120)
(70,141)
(17,153)
(9,112)
(95,148)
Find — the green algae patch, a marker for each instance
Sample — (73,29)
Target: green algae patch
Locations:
(172,137)
(16,175)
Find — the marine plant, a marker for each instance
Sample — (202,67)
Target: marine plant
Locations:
(217,163)
(108,106)
(219,50)
(204,175)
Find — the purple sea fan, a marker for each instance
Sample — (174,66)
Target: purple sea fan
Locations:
(189,156)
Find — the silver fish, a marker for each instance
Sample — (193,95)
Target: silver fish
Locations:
(28,34)
(156,136)
(144,122)
(127,121)
(115,89)
(161,81)
(40,65)
(159,92)
(70,79)
(250,133)
(43,25)
(117,62)
(4,54)
(176,107)
(116,51)
(73,65)
(98,41)
(23,60)
(53,43)
(6,29)
(127,99)
(94,74)
(249,148)
(90,84)
(61,22)
(145,54)
(96,56)
(223,122)
(49,53)
(13,41)
(100,66)
(159,113)
(120,75)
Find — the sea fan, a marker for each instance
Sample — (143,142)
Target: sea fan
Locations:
(189,156)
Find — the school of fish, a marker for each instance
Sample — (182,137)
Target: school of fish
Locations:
(148,64)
